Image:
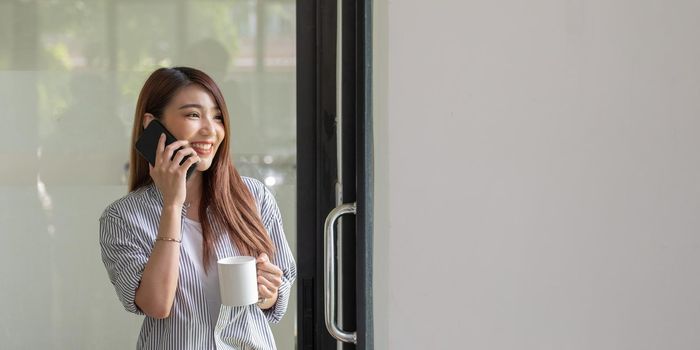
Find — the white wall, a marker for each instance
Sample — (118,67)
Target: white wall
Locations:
(537,174)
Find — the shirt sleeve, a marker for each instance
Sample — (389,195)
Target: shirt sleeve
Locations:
(283,258)
(123,257)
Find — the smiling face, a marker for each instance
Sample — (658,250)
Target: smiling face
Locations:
(193,115)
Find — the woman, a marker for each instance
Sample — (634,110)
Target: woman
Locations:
(161,241)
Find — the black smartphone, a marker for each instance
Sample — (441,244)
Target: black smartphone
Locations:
(147,144)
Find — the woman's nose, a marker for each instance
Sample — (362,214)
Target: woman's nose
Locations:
(208,127)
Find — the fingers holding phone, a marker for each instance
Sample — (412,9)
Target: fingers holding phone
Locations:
(182,159)
(170,169)
(169,160)
(176,152)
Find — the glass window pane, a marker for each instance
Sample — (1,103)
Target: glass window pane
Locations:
(70,74)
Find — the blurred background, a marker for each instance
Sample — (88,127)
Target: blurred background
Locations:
(70,74)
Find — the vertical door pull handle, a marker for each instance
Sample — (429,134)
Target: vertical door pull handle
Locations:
(330,273)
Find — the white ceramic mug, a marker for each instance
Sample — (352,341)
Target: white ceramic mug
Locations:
(238,281)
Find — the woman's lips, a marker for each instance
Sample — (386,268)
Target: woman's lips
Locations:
(202,152)
(202,149)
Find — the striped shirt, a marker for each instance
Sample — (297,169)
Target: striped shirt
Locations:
(128,229)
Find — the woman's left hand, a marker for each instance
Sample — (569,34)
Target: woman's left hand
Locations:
(269,280)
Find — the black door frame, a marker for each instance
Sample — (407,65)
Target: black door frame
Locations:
(317,168)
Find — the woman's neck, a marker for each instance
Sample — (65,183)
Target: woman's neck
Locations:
(194,189)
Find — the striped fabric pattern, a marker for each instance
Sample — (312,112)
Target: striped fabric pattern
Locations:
(128,229)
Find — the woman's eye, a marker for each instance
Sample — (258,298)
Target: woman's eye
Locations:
(219,117)
(193,115)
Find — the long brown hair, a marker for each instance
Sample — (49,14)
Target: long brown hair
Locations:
(223,190)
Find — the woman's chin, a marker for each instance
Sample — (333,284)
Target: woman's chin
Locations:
(203,165)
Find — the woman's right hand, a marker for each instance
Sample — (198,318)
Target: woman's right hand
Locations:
(169,175)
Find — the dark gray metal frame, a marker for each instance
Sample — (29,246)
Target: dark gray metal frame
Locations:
(317,165)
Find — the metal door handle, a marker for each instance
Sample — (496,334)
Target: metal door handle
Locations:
(329,267)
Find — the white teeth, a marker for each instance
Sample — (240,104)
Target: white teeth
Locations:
(202,146)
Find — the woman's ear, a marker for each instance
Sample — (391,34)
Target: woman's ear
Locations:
(147,118)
